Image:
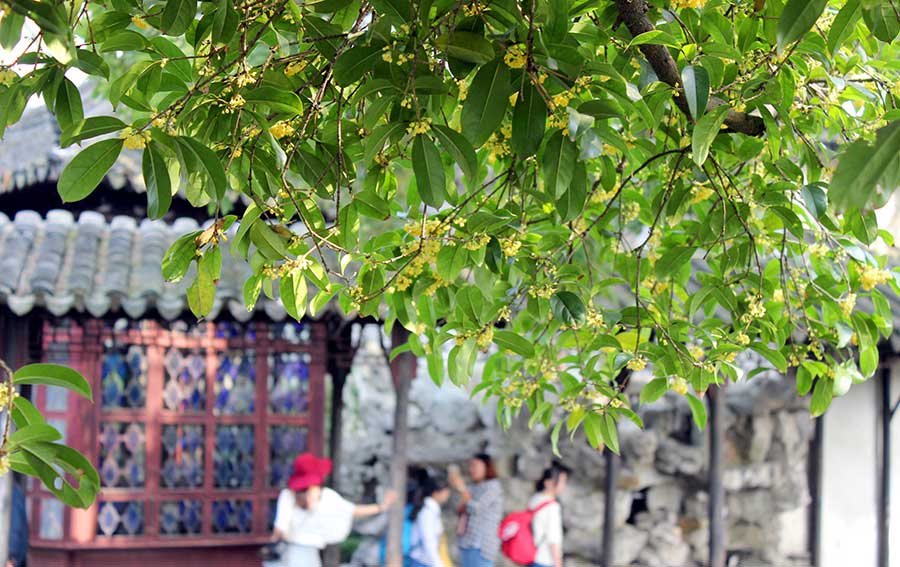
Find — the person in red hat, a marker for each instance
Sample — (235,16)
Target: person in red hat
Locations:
(309,516)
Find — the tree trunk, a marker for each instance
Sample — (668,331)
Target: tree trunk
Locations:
(609,515)
(716,398)
(403,369)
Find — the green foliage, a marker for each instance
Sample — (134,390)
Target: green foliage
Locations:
(579,191)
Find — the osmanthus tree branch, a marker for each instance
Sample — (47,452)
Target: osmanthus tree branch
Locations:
(634,15)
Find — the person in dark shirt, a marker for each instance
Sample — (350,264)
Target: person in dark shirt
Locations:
(18,528)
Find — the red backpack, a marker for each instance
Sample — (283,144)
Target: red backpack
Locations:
(516,536)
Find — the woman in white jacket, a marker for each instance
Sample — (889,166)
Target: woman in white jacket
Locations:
(308,517)
(547,524)
(425,539)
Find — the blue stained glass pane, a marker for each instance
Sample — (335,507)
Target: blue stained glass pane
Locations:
(285,443)
(124,376)
(293,332)
(233,456)
(232,516)
(235,387)
(181,517)
(185,385)
(289,383)
(182,456)
(120,518)
(122,455)
(52,515)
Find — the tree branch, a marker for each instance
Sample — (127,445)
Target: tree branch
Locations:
(634,15)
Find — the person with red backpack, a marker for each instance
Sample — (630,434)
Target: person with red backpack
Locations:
(534,537)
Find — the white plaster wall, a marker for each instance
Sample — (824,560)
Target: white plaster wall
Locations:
(848,479)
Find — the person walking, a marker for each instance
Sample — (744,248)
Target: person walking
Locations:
(547,523)
(428,529)
(18,526)
(308,517)
(480,512)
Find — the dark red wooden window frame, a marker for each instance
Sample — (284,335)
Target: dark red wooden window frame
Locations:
(85,342)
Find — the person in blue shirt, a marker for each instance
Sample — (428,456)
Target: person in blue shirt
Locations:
(18,527)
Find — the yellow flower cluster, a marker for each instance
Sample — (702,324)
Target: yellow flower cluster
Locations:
(778,295)
(700,193)
(497,146)
(4,464)
(872,277)
(559,121)
(485,337)
(474,9)
(742,339)
(417,127)
(406,102)
(755,309)
(139,22)
(594,318)
(818,249)
(679,4)
(562,99)
(431,227)
(234,103)
(135,140)
(544,290)
(602,196)
(5,399)
(696,351)
(7,76)
(437,284)
(847,304)
(510,246)
(463,89)
(504,314)
(637,364)
(631,210)
(427,252)
(244,78)
(516,56)
(583,82)
(295,67)
(281,129)
(513,98)
(678,385)
(477,242)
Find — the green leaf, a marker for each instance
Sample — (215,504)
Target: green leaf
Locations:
(352,64)
(24,413)
(429,171)
(654,390)
(68,108)
(202,293)
(177,16)
(608,432)
(32,433)
(459,147)
(843,25)
(251,290)
(210,165)
(797,18)
(293,291)
(87,169)
(601,109)
(270,244)
(815,199)
(11,30)
(225,22)
(53,375)
(485,106)
(529,122)
(515,342)
(178,258)
(698,410)
(557,20)
(61,47)
(861,167)
(379,136)
(450,262)
(705,131)
(157,181)
(278,100)
(567,307)
(868,360)
(655,37)
(571,204)
(882,21)
(593,423)
(92,127)
(673,260)
(466,46)
(821,398)
(696,89)
(773,356)
(558,164)
(554,437)
(120,87)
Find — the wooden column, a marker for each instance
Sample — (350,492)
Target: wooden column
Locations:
(883,528)
(609,514)
(716,401)
(815,460)
(403,370)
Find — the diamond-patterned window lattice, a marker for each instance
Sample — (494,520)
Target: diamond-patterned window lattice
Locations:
(235,386)
(293,332)
(289,383)
(182,456)
(124,373)
(273,509)
(233,456)
(122,455)
(181,517)
(185,385)
(285,443)
(232,516)
(233,330)
(120,518)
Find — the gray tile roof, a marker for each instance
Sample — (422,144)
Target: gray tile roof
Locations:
(30,152)
(87,264)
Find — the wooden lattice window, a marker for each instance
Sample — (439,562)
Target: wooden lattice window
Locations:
(193,429)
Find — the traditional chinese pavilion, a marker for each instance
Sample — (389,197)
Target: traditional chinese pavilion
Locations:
(194,424)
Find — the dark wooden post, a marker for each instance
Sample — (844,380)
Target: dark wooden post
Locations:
(609,514)
(884,474)
(716,400)
(816,458)
(403,370)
